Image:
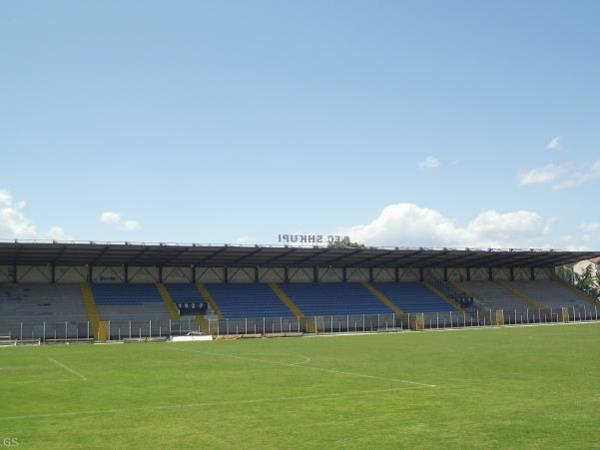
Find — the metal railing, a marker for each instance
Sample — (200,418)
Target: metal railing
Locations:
(118,330)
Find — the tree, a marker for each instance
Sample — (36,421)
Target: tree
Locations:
(345,244)
(588,281)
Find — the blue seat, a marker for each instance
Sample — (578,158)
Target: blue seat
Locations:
(322,299)
(413,297)
(238,300)
(125,294)
(184,293)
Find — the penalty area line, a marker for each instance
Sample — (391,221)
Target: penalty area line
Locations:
(303,365)
(68,369)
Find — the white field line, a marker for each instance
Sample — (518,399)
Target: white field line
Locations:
(306,361)
(68,369)
(212,403)
(507,326)
(45,380)
(23,368)
(302,365)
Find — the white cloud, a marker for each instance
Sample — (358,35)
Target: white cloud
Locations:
(15,225)
(5,198)
(590,227)
(578,248)
(407,224)
(129,225)
(588,238)
(247,240)
(116,219)
(554,144)
(546,174)
(590,235)
(431,162)
(561,176)
(110,217)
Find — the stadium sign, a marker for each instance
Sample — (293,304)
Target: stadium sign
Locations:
(312,239)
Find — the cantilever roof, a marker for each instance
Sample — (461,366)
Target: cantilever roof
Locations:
(165,254)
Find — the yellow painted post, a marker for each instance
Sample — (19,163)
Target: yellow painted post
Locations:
(203,324)
(99,328)
(520,295)
(460,288)
(419,322)
(102,330)
(499,317)
(386,301)
(209,299)
(443,296)
(310,327)
(168,301)
(319,323)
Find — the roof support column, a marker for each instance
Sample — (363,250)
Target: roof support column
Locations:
(194,277)
(512,273)
(53,273)
(226,274)
(468,274)
(90,274)
(286,274)
(160,274)
(421,274)
(256,278)
(126,273)
(315,274)
(532,273)
(445,274)
(344,275)
(490,274)
(397,274)
(371,277)
(14,274)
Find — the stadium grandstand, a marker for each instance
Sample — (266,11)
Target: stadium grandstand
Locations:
(93,290)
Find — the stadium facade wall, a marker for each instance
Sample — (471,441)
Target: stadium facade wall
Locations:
(501,273)
(357,275)
(241,275)
(142,274)
(330,275)
(6,274)
(71,274)
(150,274)
(177,275)
(34,274)
(457,274)
(384,275)
(108,274)
(210,274)
(300,274)
(271,275)
(543,273)
(410,274)
(433,274)
(479,274)
(522,273)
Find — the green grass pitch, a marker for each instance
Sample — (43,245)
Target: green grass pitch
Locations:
(530,387)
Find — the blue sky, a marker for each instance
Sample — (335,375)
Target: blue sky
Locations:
(466,123)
